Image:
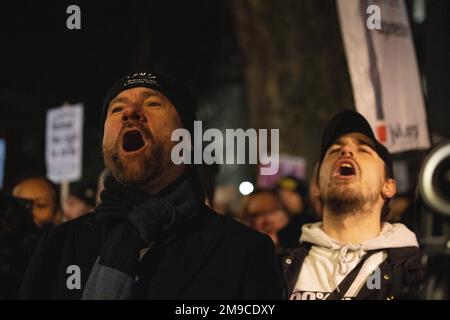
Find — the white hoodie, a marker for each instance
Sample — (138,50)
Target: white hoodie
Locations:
(330,261)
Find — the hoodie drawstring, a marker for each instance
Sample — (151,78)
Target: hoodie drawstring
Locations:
(345,258)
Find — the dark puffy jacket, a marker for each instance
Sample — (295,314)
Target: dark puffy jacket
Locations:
(400,273)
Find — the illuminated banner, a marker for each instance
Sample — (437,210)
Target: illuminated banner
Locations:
(383,70)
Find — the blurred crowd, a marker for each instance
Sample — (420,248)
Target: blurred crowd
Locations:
(33,207)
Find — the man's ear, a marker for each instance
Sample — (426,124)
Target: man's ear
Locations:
(315,190)
(314,186)
(389,188)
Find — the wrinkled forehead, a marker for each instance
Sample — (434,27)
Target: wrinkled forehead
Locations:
(140,93)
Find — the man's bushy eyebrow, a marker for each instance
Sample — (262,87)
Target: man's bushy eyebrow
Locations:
(144,95)
(339,142)
(148,94)
(121,99)
(365,143)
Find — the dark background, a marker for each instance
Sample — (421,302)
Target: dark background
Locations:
(210,45)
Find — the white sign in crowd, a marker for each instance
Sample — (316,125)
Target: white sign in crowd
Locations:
(64,143)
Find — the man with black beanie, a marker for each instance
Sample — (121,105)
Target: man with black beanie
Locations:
(151,237)
(353,253)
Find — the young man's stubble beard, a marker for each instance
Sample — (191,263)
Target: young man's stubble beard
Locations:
(342,200)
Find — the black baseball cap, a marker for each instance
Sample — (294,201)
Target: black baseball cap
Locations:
(351,121)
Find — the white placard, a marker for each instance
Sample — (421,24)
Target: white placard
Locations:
(383,70)
(64,143)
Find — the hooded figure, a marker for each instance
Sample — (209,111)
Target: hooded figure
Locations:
(353,253)
(152,236)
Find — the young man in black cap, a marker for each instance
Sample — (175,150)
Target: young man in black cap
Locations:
(151,237)
(353,254)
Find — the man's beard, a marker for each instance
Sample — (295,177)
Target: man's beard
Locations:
(149,166)
(350,201)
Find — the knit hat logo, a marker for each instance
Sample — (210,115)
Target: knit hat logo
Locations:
(143,78)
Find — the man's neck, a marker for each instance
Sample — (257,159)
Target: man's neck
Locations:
(163,181)
(351,228)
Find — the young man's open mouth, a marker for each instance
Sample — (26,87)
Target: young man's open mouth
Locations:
(133,141)
(345,169)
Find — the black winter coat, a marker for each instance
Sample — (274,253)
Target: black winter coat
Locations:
(216,258)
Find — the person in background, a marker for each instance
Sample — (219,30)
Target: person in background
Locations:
(81,200)
(263,211)
(18,239)
(293,194)
(225,200)
(100,185)
(45,196)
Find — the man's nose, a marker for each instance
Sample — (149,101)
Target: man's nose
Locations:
(132,113)
(347,151)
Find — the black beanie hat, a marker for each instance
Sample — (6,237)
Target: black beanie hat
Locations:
(351,121)
(178,94)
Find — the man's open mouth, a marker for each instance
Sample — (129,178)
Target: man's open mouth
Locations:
(345,169)
(132,141)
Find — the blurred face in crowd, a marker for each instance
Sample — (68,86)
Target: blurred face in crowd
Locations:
(75,207)
(352,177)
(265,214)
(292,201)
(43,197)
(136,141)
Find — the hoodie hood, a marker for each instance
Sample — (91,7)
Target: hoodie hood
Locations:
(329,261)
(394,235)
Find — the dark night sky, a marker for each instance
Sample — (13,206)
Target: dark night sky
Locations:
(43,64)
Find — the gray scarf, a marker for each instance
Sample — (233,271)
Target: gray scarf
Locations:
(132,221)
